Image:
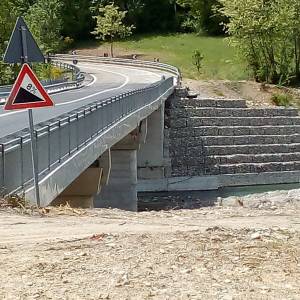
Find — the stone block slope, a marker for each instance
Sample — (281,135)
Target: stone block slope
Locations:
(223,137)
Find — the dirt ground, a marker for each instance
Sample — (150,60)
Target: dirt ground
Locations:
(242,248)
(256,94)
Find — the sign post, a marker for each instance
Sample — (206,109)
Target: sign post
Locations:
(27,92)
(34,158)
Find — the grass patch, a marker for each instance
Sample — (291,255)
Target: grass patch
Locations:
(282,99)
(220,60)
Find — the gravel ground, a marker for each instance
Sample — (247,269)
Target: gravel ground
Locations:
(242,248)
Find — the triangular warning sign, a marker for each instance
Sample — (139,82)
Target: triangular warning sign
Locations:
(27,92)
(21,37)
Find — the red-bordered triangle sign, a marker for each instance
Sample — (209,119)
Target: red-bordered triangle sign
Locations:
(27,92)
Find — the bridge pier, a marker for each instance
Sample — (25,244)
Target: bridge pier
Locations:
(121,190)
(151,162)
(82,191)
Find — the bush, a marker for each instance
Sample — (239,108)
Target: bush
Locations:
(204,16)
(268,35)
(197,60)
(282,99)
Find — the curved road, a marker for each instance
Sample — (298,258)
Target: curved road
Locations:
(105,81)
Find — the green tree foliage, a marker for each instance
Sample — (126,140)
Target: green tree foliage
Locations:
(203,16)
(147,15)
(157,16)
(110,24)
(267,33)
(7,20)
(44,19)
(77,21)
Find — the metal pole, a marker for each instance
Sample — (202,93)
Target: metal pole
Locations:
(34,158)
(31,127)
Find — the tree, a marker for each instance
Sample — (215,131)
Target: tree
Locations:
(44,21)
(267,33)
(77,21)
(204,16)
(7,20)
(110,24)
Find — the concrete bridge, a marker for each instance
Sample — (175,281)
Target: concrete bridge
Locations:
(91,145)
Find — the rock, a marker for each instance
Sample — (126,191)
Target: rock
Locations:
(255,236)
(226,297)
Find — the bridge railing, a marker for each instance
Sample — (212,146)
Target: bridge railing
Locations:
(53,85)
(60,138)
(121,61)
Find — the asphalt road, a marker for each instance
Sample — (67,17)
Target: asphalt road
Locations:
(104,81)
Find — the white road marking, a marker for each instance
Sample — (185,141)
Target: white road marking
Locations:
(94,80)
(86,65)
(127,79)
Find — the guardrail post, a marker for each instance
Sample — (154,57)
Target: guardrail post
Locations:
(3,165)
(59,142)
(22,162)
(49,147)
(77,131)
(69,125)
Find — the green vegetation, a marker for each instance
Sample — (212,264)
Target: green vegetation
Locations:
(282,99)
(220,60)
(264,33)
(268,35)
(203,16)
(110,24)
(197,60)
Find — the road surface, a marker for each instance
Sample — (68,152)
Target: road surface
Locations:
(104,81)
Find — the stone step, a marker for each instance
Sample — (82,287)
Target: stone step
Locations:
(248,149)
(234,140)
(254,168)
(196,102)
(255,158)
(237,121)
(236,112)
(248,140)
(233,131)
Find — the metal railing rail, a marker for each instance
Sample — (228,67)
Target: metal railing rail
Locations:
(54,84)
(60,138)
(121,61)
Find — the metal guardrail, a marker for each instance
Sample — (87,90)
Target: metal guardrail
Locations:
(53,85)
(59,138)
(121,61)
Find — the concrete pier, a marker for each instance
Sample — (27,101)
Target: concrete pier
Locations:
(121,191)
(151,153)
(81,192)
